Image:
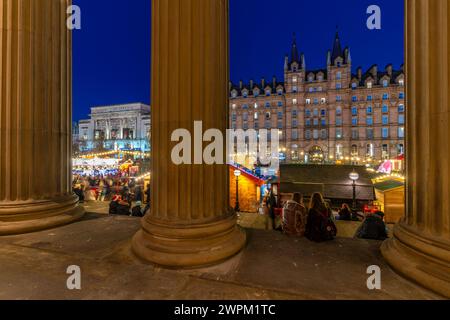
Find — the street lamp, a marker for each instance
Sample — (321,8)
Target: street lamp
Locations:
(237,174)
(354,176)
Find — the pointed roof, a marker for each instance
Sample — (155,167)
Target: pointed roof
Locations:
(295,57)
(337,48)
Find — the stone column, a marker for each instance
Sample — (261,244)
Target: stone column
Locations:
(35,116)
(190,222)
(420,249)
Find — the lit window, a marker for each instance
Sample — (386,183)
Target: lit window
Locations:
(294,79)
(369,85)
(401,82)
(308,101)
(354,85)
(385,83)
(294,101)
(401,132)
(323,100)
(338,133)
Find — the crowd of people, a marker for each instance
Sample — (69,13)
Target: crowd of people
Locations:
(125,195)
(316,220)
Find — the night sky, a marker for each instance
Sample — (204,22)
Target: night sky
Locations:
(111,54)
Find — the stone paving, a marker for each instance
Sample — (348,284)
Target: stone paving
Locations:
(272,266)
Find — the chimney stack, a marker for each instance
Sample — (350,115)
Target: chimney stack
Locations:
(374,72)
(274,83)
(251,84)
(241,84)
(359,73)
(263,83)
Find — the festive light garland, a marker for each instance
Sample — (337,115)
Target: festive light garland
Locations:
(109,153)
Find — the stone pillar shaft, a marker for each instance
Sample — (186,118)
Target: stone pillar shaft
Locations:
(421,245)
(35,116)
(190,222)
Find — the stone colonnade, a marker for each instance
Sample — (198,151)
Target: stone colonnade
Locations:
(190,223)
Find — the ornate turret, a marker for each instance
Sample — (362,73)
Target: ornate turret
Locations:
(337,49)
(295,57)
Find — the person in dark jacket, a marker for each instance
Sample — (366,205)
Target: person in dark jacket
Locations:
(123,208)
(137,210)
(272,204)
(345,213)
(320,226)
(373,227)
(114,204)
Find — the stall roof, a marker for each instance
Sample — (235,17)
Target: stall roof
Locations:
(331,180)
(388,185)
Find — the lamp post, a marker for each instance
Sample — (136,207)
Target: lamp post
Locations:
(237,174)
(354,176)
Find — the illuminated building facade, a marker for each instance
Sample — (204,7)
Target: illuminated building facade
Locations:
(117,127)
(328,115)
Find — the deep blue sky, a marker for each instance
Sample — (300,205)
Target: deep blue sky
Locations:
(111,57)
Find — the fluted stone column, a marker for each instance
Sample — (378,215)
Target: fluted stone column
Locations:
(420,249)
(190,223)
(35,116)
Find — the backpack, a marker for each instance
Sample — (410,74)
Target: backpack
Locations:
(328,229)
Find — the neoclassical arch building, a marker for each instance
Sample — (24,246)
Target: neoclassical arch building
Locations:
(198,228)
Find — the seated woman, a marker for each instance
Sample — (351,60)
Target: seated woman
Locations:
(345,213)
(295,216)
(373,227)
(320,226)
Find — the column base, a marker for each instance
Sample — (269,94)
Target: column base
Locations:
(424,260)
(188,246)
(31,216)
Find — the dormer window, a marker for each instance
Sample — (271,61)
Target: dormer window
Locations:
(234,94)
(320,78)
(245,93)
(385,83)
(268,92)
(256,93)
(354,85)
(311,78)
(369,85)
(401,82)
(280,92)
